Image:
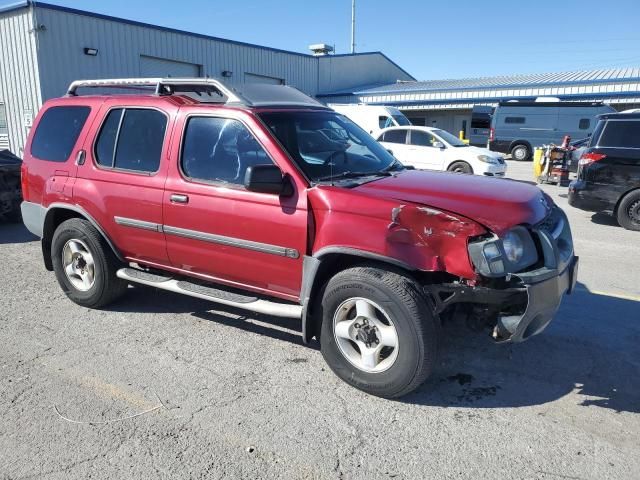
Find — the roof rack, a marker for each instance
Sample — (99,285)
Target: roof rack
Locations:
(166,86)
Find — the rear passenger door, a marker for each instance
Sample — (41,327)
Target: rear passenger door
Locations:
(121,181)
(396,141)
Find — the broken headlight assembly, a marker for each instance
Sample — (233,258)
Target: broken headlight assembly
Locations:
(498,256)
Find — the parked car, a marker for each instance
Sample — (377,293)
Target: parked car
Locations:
(609,170)
(435,149)
(10,194)
(286,208)
(576,149)
(371,118)
(480,125)
(518,128)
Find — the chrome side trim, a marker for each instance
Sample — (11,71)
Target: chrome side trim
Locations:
(232,242)
(132,222)
(259,306)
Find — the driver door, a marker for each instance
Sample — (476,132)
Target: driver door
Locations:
(423,151)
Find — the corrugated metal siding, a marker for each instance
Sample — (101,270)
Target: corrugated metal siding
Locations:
(347,71)
(19,79)
(120,46)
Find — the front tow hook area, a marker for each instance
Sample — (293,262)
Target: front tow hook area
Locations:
(542,304)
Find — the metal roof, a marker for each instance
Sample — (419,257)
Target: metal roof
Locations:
(580,77)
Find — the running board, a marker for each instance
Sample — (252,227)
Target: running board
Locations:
(212,294)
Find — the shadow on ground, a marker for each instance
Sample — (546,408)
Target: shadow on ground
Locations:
(601,218)
(592,348)
(15,233)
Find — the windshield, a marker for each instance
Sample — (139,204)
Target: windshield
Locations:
(401,120)
(450,139)
(327,145)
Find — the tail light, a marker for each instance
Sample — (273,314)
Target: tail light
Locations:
(588,158)
(24,182)
(492,134)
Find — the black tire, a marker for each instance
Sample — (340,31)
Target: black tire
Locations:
(418,330)
(521,153)
(628,212)
(106,286)
(460,167)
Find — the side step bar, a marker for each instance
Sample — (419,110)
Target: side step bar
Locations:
(212,294)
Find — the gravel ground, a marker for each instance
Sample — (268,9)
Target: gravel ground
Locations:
(177,390)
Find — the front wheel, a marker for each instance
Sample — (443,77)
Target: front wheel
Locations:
(460,167)
(628,212)
(378,333)
(85,265)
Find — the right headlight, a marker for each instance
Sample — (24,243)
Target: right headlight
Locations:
(487,159)
(511,253)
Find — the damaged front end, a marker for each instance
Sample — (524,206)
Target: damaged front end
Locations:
(10,191)
(523,277)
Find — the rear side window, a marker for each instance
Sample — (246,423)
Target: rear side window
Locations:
(131,139)
(220,150)
(57,132)
(621,134)
(519,120)
(395,136)
(584,123)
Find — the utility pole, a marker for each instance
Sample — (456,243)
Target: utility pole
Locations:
(353,26)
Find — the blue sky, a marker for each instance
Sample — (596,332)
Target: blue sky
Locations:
(430,39)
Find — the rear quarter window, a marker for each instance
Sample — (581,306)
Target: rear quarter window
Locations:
(57,132)
(621,134)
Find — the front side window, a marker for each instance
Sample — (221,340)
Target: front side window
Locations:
(621,134)
(131,139)
(422,139)
(326,145)
(385,122)
(220,150)
(57,132)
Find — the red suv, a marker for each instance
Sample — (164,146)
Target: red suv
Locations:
(268,201)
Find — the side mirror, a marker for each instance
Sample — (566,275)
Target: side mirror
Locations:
(267,179)
(390,151)
(439,145)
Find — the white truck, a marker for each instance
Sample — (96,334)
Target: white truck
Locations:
(372,118)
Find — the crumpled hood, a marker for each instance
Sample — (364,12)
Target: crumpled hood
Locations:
(496,203)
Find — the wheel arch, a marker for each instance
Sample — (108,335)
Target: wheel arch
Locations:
(320,267)
(622,196)
(526,143)
(58,213)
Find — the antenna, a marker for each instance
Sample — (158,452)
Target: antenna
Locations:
(353,26)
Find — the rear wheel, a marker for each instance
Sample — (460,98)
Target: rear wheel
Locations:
(628,212)
(520,153)
(460,167)
(85,265)
(378,333)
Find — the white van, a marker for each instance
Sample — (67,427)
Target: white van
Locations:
(372,118)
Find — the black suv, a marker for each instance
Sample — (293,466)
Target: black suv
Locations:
(609,170)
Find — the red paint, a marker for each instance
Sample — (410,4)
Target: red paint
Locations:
(423,219)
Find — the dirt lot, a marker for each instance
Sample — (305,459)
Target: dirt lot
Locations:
(220,393)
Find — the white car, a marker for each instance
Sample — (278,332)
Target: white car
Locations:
(435,149)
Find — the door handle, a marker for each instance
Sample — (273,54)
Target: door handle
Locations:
(178,198)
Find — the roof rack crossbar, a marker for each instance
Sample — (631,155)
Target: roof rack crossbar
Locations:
(165,86)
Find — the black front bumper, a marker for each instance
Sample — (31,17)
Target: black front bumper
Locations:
(543,300)
(519,305)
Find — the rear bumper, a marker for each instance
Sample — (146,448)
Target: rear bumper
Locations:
(583,197)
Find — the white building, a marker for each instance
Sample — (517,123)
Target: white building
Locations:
(44,47)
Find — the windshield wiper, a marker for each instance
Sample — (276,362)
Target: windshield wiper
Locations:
(350,174)
(393,164)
